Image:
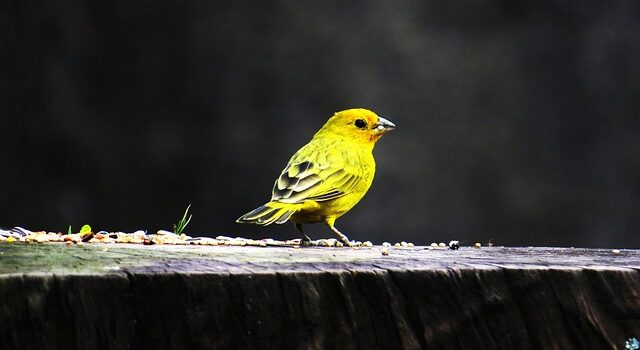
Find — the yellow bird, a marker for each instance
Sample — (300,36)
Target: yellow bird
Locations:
(328,176)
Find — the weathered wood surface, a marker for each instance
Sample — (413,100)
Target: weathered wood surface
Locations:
(108,296)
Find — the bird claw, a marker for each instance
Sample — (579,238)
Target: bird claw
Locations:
(305,241)
(347,242)
(341,237)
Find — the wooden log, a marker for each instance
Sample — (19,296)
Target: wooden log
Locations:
(102,296)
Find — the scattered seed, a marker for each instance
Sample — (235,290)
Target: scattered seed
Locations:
(477,245)
(615,251)
(87,237)
(163,237)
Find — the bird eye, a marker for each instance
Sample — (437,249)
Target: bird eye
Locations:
(359,123)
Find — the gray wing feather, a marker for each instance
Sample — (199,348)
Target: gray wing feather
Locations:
(298,183)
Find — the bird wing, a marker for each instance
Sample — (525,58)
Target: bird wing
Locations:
(319,176)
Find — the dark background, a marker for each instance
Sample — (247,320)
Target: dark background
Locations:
(517,121)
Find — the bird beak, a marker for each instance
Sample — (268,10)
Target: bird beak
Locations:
(383,126)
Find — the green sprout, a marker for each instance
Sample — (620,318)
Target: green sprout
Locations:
(182,223)
(69,230)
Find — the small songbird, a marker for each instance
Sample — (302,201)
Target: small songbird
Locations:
(327,176)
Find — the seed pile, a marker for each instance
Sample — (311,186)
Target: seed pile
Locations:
(19,234)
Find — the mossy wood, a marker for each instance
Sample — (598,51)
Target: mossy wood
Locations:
(196,297)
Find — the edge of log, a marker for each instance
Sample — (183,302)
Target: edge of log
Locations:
(99,296)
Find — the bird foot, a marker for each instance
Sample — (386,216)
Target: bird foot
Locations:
(341,237)
(347,242)
(305,241)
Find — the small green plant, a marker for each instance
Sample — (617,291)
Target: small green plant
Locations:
(69,230)
(182,223)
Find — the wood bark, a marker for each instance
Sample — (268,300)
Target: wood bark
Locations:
(132,297)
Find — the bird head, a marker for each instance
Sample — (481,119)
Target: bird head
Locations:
(358,124)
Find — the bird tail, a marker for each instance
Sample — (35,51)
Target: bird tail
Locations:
(266,215)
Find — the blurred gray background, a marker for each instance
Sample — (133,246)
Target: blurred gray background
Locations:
(517,121)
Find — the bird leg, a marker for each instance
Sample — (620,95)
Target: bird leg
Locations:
(341,236)
(306,241)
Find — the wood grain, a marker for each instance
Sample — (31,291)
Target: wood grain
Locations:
(100,296)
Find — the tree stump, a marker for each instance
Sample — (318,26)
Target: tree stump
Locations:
(100,296)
